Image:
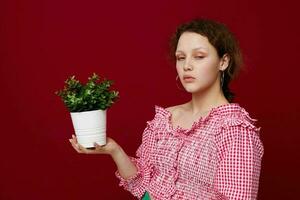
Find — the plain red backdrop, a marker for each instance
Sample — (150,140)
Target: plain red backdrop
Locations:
(43,42)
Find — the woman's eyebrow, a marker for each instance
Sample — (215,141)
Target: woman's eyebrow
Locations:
(200,48)
(194,49)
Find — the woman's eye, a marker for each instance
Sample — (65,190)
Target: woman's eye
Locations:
(180,58)
(199,57)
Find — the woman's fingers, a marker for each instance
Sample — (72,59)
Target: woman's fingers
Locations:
(75,145)
(80,149)
(74,138)
(108,148)
(97,146)
(99,149)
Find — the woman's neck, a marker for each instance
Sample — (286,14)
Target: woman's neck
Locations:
(205,101)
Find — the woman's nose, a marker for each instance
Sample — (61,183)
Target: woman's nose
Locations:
(187,65)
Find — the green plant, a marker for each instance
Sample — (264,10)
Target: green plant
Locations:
(95,94)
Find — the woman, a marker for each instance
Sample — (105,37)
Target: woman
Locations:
(207,148)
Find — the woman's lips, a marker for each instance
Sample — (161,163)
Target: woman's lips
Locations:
(188,79)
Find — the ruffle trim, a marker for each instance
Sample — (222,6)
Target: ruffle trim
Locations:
(244,120)
(223,111)
(167,183)
(163,114)
(240,119)
(133,184)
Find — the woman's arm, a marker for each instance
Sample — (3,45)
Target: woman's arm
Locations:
(126,167)
(239,171)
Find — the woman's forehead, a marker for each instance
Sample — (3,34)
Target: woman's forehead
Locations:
(192,41)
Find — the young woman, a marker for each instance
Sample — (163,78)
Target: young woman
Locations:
(207,148)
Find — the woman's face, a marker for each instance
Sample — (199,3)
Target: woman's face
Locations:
(197,62)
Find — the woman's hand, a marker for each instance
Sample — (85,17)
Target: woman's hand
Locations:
(111,147)
(124,164)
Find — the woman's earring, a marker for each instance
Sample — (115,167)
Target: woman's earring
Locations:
(177,77)
(222,78)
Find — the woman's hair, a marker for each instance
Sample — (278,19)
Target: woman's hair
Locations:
(222,39)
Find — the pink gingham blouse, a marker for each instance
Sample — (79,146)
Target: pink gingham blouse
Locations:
(219,157)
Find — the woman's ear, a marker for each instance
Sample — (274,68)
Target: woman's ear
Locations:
(224,62)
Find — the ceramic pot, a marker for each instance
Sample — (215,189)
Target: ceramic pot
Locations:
(90,127)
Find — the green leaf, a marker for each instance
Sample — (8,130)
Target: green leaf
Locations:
(93,95)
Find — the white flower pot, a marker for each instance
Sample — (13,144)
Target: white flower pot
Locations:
(90,127)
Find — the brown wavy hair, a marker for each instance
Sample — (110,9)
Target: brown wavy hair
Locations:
(222,39)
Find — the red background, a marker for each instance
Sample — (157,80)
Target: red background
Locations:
(43,42)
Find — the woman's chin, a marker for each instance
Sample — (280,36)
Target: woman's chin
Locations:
(191,89)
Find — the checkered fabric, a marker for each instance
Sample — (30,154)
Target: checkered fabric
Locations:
(219,157)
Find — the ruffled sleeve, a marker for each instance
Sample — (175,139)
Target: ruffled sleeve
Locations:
(137,184)
(241,151)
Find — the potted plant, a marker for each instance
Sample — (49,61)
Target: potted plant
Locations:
(87,104)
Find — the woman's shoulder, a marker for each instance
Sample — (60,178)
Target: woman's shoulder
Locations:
(161,116)
(166,113)
(178,108)
(233,115)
